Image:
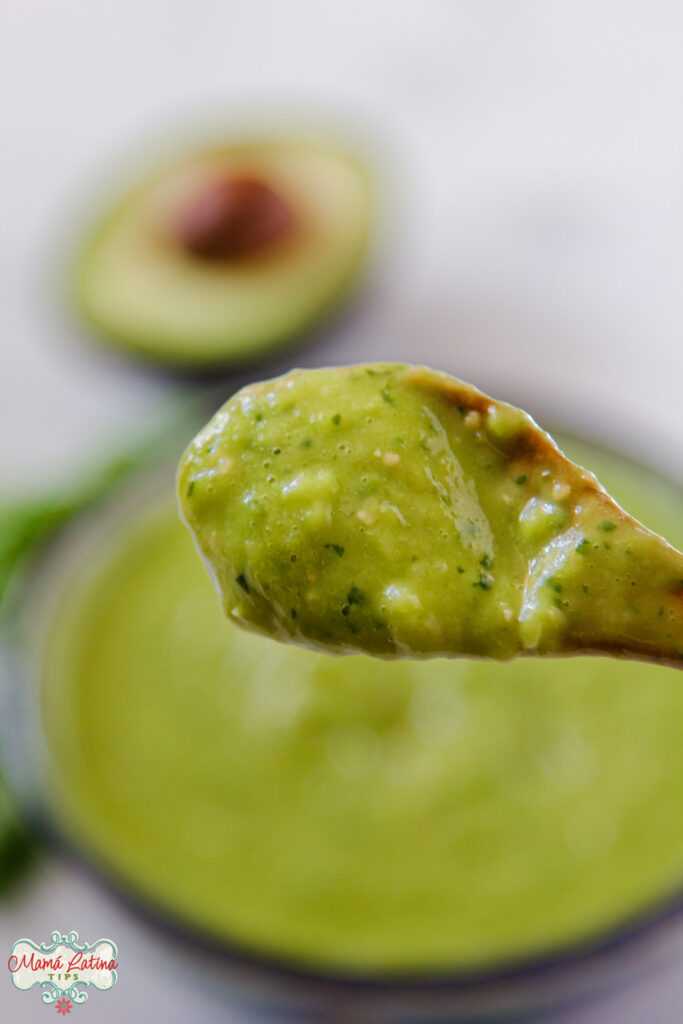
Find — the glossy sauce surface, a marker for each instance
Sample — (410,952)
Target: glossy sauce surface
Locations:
(400,512)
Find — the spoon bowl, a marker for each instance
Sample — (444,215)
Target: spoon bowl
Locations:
(397,511)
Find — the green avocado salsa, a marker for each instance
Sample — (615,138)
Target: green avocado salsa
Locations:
(352,813)
(397,511)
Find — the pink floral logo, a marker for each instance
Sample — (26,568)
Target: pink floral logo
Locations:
(63,968)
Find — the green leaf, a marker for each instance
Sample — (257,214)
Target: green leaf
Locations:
(25,526)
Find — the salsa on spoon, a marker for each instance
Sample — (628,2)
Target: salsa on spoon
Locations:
(398,511)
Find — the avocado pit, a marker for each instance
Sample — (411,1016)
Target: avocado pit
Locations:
(233,218)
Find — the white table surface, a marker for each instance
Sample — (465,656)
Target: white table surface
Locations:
(535,242)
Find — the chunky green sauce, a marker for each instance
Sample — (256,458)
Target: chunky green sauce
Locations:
(350,812)
(397,511)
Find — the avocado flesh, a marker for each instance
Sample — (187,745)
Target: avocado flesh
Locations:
(140,289)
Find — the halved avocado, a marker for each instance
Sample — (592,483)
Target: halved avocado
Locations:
(227,252)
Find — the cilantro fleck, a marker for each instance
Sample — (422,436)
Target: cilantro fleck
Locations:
(606,526)
(337,548)
(336,418)
(242,581)
(485,562)
(386,396)
(356,595)
(582,547)
(521,479)
(190,489)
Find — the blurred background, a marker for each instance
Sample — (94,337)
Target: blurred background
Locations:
(529,161)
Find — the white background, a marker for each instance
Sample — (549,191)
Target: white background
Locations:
(532,242)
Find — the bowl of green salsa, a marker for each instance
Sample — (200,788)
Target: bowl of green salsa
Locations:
(433,840)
